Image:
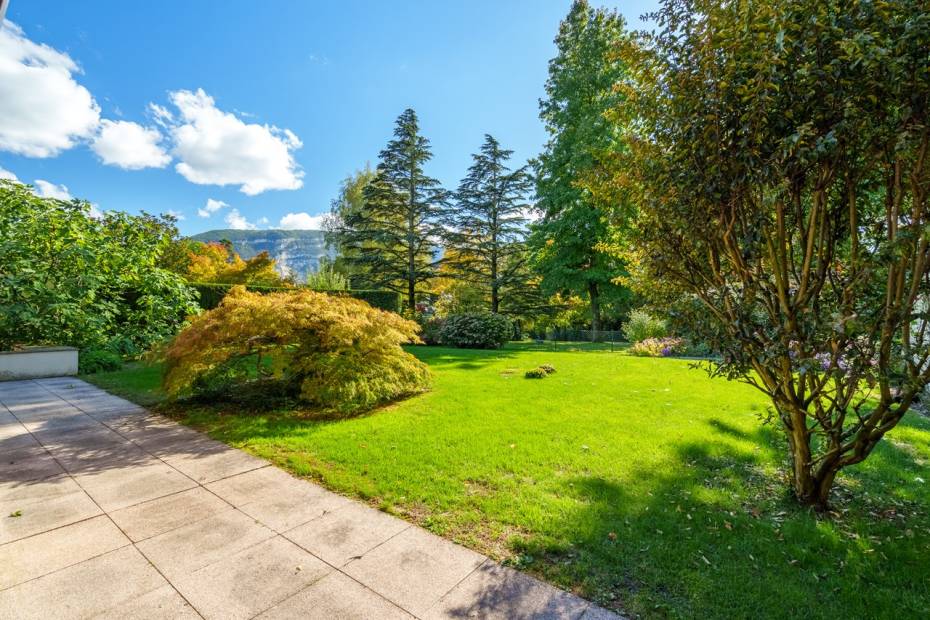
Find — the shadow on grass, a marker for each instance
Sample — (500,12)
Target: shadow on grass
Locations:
(716,534)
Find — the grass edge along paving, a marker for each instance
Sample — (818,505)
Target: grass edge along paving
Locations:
(637,482)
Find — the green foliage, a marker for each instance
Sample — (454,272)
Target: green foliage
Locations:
(91,361)
(567,241)
(385,300)
(642,325)
(212,294)
(349,203)
(780,166)
(72,279)
(431,329)
(326,278)
(332,352)
(389,241)
(487,227)
(474,330)
(540,372)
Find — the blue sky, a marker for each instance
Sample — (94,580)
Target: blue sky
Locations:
(164,106)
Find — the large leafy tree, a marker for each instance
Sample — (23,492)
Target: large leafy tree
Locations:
(350,201)
(68,278)
(782,169)
(579,92)
(488,223)
(392,239)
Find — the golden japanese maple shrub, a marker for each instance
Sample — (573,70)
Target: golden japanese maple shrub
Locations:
(333,352)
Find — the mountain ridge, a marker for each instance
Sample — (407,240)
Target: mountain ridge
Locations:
(296,252)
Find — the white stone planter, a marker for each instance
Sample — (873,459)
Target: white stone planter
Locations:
(34,362)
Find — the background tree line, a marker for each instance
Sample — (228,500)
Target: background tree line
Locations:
(526,240)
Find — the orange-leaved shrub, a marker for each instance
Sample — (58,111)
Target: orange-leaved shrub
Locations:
(335,353)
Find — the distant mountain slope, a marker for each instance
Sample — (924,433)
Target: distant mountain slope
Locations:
(296,251)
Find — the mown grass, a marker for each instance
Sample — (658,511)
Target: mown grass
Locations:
(640,483)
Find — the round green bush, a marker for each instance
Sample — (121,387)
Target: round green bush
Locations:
(91,361)
(474,330)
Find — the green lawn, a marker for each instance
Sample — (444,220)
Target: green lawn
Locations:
(639,483)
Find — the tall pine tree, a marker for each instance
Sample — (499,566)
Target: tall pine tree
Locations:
(489,224)
(579,91)
(392,238)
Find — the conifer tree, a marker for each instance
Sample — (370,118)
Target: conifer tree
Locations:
(393,238)
(488,224)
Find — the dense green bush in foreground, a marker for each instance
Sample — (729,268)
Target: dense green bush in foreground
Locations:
(329,351)
(72,279)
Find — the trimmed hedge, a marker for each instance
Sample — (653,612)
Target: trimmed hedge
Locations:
(211,294)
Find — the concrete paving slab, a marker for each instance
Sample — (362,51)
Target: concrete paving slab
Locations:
(347,533)
(494,592)
(188,548)
(45,553)
(206,460)
(26,463)
(49,504)
(124,482)
(251,581)
(414,569)
(162,604)
(277,499)
(167,513)
(336,596)
(84,589)
(13,434)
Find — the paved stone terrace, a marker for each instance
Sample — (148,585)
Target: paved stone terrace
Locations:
(109,511)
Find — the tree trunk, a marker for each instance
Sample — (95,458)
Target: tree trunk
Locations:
(411,295)
(495,301)
(594,296)
(811,487)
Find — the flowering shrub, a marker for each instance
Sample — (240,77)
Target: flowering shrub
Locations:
(333,352)
(658,347)
(641,325)
(474,330)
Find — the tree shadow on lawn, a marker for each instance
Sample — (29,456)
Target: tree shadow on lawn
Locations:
(716,534)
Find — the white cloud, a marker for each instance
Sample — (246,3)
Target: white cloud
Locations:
(161,115)
(211,207)
(301,221)
(46,189)
(43,110)
(175,214)
(237,221)
(6,174)
(130,146)
(263,221)
(217,148)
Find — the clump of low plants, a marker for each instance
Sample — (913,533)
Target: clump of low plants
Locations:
(658,347)
(332,352)
(540,372)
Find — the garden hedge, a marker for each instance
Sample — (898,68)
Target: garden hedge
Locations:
(211,294)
